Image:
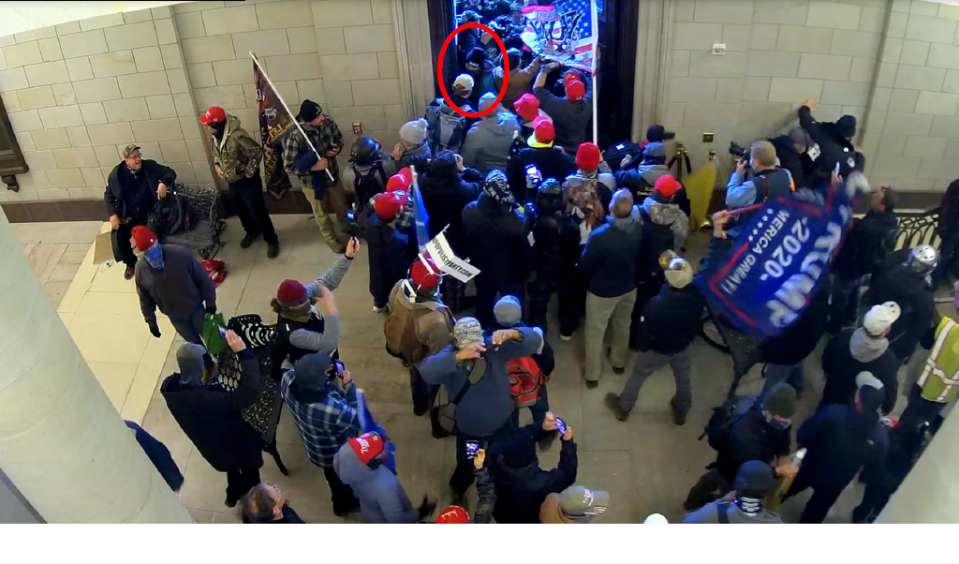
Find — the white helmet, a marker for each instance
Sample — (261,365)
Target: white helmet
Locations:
(923,259)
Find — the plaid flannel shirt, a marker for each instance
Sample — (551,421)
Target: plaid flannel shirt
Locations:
(324,138)
(404,219)
(325,426)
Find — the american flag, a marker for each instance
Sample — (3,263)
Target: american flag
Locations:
(562,32)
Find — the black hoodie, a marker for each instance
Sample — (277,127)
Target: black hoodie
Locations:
(791,160)
(866,246)
(444,198)
(391,254)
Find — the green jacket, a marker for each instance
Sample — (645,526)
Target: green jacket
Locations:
(237,153)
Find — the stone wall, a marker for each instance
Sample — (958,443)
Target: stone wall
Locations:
(887,62)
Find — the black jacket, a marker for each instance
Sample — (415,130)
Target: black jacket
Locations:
(391,254)
(159,455)
(791,160)
(800,339)
(751,438)
(557,245)
(552,162)
(212,417)
(520,492)
(949,211)
(840,370)
(866,246)
(914,296)
(833,146)
(610,260)
(155,173)
(497,240)
(546,360)
(840,441)
(673,318)
(445,199)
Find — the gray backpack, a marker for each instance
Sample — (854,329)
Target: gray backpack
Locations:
(446,129)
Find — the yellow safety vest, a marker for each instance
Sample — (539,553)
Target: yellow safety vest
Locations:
(940,376)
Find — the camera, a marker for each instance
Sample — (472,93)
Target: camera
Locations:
(737,150)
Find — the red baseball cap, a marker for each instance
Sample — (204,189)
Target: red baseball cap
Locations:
(400,181)
(424,276)
(388,204)
(215,114)
(569,77)
(575,90)
(143,237)
(543,133)
(667,185)
(527,107)
(367,447)
(453,515)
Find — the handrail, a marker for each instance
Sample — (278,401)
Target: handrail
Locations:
(918,227)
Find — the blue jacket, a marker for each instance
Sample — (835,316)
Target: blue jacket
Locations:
(840,442)
(741,192)
(488,404)
(382,498)
(159,455)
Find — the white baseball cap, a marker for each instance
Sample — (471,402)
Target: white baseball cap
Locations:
(464,81)
(881,317)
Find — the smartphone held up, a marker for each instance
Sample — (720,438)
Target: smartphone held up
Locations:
(472,447)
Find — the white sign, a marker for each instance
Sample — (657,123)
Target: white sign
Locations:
(441,253)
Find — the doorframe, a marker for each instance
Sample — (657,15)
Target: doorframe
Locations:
(415,54)
(628,42)
(653,38)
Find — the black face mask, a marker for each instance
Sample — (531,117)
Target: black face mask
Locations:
(778,425)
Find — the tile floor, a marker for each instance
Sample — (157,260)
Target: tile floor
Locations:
(647,463)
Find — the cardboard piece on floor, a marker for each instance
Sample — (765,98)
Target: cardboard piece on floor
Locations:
(103,248)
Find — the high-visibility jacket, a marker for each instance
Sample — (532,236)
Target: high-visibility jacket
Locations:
(940,376)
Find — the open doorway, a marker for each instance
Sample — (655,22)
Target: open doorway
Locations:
(618,22)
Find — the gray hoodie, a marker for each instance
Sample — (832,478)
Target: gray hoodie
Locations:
(382,498)
(488,141)
(668,214)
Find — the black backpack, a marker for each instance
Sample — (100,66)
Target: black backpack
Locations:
(657,239)
(723,419)
(619,154)
(170,215)
(366,186)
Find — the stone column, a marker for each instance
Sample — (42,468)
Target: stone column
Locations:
(62,443)
(930,493)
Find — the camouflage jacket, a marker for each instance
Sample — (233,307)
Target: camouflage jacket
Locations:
(237,153)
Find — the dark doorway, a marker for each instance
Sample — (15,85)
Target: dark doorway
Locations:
(618,22)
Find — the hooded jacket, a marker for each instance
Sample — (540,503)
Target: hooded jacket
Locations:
(488,142)
(840,441)
(670,215)
(551,162)
(868,243)
(610,259)
(850,352)
(915,298)
(488,404)
(498,240)
(212,417)
(520,492)
(237,154)
(751,438)
(382,498)
(444,198)
(181,288)
(833,146)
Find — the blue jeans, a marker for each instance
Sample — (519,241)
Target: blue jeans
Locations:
(538,409)
(791,374)
(190,329)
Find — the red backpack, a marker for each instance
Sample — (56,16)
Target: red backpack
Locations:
(525,379)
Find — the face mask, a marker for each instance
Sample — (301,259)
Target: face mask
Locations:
(154,257)
(749,506)
(776,424)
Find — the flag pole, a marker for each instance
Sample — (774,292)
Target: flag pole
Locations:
(287,108)
(595,26)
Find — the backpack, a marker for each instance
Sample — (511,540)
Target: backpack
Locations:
(446,129)
(723,419)
(618,155)
(443,414)
(365,186)
(170,215)
(657,239)
(525,380)
(402,341)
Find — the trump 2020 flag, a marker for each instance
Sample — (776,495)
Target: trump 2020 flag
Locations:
(563,32)
(274,122)
(779,261)
(421,219)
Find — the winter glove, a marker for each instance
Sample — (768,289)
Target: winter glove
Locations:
(154,329)
(211,309)
(426,508)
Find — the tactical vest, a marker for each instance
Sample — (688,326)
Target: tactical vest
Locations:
(940,376)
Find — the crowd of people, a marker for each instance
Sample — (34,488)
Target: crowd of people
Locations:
(538,210)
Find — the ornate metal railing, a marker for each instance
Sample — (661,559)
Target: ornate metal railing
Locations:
(918,227)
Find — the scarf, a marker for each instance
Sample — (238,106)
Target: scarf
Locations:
(866,348)
(154,257)
(497,187)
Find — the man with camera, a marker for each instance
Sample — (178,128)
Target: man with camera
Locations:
(768,181)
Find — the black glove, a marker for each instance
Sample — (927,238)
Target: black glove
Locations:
(426,508)
(211,309)
(155,329)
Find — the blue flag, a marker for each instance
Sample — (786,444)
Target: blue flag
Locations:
(369,425)
(779,261)
(420,217)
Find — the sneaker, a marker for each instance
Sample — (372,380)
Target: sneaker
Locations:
(129,272)
(679,417)
(565,337)
(379,309)
(612,402)
(272,250)
(247,241)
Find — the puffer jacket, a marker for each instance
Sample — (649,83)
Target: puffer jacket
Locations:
(671,215)
(498,240)
(236,152)
(488,142)
(382,498)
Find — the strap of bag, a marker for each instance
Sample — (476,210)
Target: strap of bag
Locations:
(765,190)
(723,511)
(478,364)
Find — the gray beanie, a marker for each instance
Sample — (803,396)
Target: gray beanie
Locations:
(309,372)
(508,311)
(414,132)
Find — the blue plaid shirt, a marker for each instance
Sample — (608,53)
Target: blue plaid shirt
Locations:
(325,425)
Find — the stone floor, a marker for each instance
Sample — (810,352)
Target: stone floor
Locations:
(647,464)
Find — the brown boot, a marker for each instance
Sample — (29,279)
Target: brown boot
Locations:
(679,417)
(612,402)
